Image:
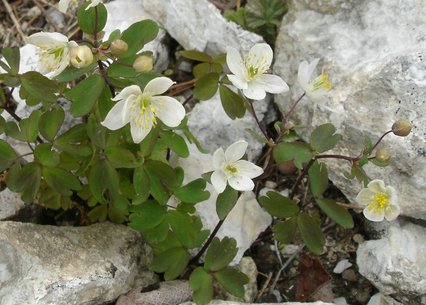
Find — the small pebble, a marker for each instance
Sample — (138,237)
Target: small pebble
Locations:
(342,266)
(340,301)
(350,275)
(271,184)
(362,296)
(289,250)
(358,238)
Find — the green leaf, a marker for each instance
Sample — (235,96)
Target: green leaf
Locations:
(98,214)
(7,155)
(196,55)
(29,178)
(2,124)
(117,215)
(12,177)
(232,103)
(60,180)
(50,123)
(202,69)
(311,233)
(336,212)
(137,35)
(156,235)
(202,284)
(284,231)
(226,201)
(121,158)
(163,172)
(12,57)
(85,95)
(141,182)
(39,87)
(232,280)
(102,178)
(220,253)
(29,126)
(318,179)
(299,152)
(92,20)
(206,86)
(359,174)
(96,132)
(278,205)
(147,215)
(172,261)
(323,138)
(72,73)
(193,192)
(186,228)
(13,131)
(176,143)
(72,141)
(44,155)
(238,16)
(368,145)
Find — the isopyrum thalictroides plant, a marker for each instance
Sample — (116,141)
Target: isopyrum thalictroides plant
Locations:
(114,160)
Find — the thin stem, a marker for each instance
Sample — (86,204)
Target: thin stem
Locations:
(106,78)
(262,129)
(380,139)
(350,159)
(12,113)
(299,178)
(200,253)
(287,115)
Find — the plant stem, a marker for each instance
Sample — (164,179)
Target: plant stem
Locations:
(106,78)
(380,139)
(300,177)
(195,259)
(287,115)
(262,129)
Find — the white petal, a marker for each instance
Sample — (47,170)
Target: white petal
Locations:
(47,39)
(126,92)
(260,55)
(63,5)
(305,72)
(365,197)
(235,62)
(218,180)
(377,186)
(248,169)
(169,110)
(241,183)
(115,119)
(218,158)
(393,196)
(237,81)
(272,83)
(236,151)
(371,215)
(392,211)
(93,4)
(255,91)
(158,85)
(139,133)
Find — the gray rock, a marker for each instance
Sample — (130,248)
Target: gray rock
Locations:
(378,72)
(198,24)
(219,302)
(396,264)
(10,204)
(380,299)
(41,265)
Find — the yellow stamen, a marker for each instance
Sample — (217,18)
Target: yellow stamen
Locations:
(379,203)
(321,82)
(231,169)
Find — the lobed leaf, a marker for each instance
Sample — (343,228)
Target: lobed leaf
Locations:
(206,86)
(311,233)
(172,262)
(92,20)
(299,152)
(284,231)
(202,284)
(336,212)
(193,192)
(323,138)
(232,103)
(318,179)
(220,253)
(232,280)
(226,201)
(278,205)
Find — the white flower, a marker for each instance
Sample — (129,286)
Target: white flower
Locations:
(142,109)
(380,201)
(317,87)
(63,4)
(53,51)
(249,74)
(229,168)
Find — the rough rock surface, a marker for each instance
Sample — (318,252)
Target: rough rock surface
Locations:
(380,299)
(42,265)
(396,264)
(378,70)
(10,204)
(219,302)
(197,24)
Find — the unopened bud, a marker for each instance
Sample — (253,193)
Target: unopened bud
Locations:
(118,47)
(401,128)
(383,155)
(81,56)
(143,63)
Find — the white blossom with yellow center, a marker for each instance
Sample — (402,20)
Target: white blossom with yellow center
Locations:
(317,87)
(63,4)
(53,50)
(230,169)
(249,74)
(142,109)
(380,201)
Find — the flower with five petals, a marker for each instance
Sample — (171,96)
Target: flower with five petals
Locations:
(316,88)
(249,74)
(380,201)
(142,109)
(53,50)
(229,168)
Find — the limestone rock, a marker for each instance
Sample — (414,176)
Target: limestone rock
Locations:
(380,299)
(396,264)
(219,302)
(10,204)
(378,70)
(42,265)
(198,24)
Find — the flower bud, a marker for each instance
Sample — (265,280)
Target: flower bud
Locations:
(81,56)
(118,47)
(401,128)
(143,63)
(383,155)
